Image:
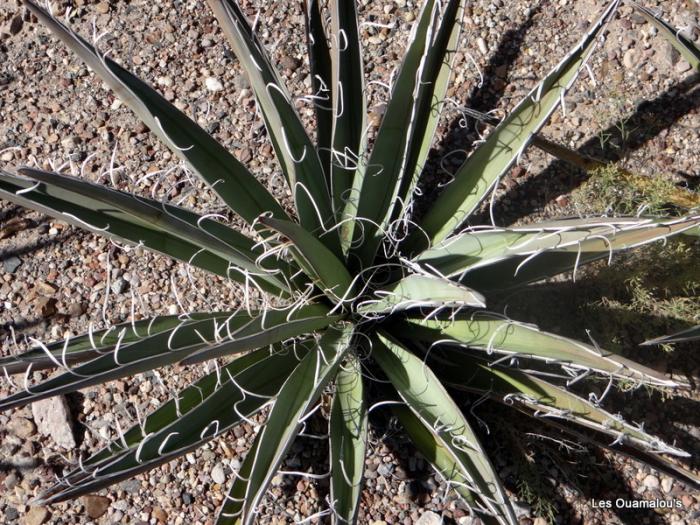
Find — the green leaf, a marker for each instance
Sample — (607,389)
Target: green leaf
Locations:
(689,334)
(88,346)
(504,258)
(489,333)
(439,457)
(482,170)
(321,81)
(423,393)
(349,113)
(230,179)
(188,343)
(295,152)
(421,291)
(686,47)
(348,440)
(207,409)
(163,224)
(513,386)
(430,99)
(317,261)
(296,398)
(382,172)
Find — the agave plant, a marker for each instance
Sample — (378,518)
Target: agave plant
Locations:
(369,299)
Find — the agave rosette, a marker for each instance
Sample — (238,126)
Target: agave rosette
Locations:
(363,288)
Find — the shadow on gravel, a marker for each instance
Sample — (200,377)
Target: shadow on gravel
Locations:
(650,119)
(36,245)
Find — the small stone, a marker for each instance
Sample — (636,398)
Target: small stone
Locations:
(290,63)
(118,286)
(631,58)
(7,156)
(682,66)
(95,506)
(429,518)
(53,418)
(213,84)
(11,264)
(76,309)
(22,427)
(36,516)
(522,509)
(11,513)
(160,515)
(16,24)
(46,306)
(481,44)
(46,288)
(218,474)
(666,485)
(540,521)
(651,482)
(102,8)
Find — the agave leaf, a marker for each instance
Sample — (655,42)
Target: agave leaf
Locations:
(283,357)
(504,258)
(119,229)
(430,100)
(317,261)
(423,393)
(187,343)
(349,113)
(296,398)
(226,399)
(87,346)
(543,398)
(490,333)
(295,152)
(439,457)
(230,179)
(421,291)
(689,334)
(348,440)
(482,170)
(170,225)
(686,47)
(382,172)
(321,81)
(651,459)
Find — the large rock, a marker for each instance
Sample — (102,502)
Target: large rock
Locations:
(36,516)
(53,419)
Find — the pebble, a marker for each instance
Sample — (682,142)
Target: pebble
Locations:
(102,8)
(218,474)
(666,485)
(631,58)
(481,44)
(651,482)
(22,427)
(53,418)
(36,516)
(95,506)
(429,518)
(213,84)
(11,264)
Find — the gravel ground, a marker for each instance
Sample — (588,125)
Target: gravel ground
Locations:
(55,278)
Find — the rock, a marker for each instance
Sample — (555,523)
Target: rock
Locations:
(682,66)
(429,518)
(53,418)
(666,485)
(36,516)
(669,54)
(290,63)
(540,521)
(631,58)
(118,286)
(218,474)
(213,84)
(11,264)
(651,482)
(160,515)
(46,306)
(102,8)
(16,24)
(481,44)
(11,513)
(96,506)
(22,427)
(46,288)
